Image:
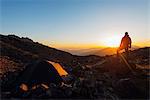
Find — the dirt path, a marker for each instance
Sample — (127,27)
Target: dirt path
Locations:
(135,68)
(127,64)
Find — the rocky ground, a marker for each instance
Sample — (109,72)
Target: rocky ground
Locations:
(108,79)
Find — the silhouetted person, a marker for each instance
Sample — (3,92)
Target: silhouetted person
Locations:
(125,43)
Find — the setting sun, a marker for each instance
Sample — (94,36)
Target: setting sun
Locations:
(112,41)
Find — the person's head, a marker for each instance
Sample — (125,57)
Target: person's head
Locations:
(126,34)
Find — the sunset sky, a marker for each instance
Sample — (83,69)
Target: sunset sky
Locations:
(77,23)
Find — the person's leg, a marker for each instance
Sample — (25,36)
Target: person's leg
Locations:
(126,52)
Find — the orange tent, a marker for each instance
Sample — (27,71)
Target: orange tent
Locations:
(59,68)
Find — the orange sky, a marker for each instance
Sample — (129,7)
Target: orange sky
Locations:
(107,42)
(76,24)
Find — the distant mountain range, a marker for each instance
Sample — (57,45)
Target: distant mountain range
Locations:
(96,51)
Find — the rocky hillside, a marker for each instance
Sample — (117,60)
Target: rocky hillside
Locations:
(24,50)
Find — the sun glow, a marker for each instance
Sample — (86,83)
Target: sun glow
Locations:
(113,41)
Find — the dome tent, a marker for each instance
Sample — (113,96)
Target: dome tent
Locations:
(40,72)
